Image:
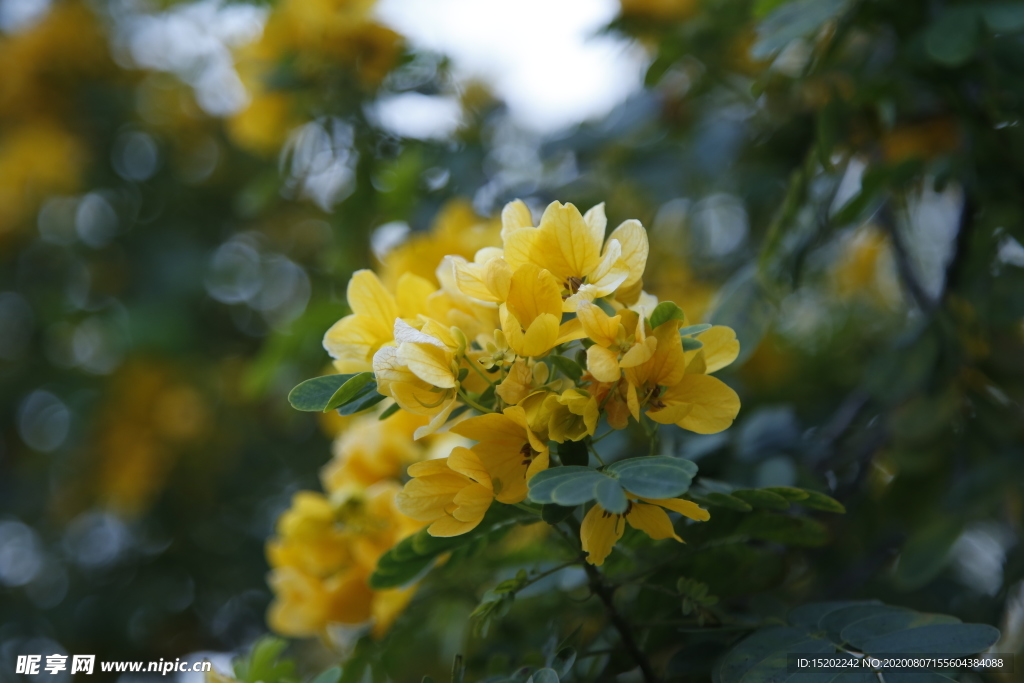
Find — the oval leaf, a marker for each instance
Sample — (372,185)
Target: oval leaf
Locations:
(656,476)
(610,496)
(313,395)
(348,391)
(543,484)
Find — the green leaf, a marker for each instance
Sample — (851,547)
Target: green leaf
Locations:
(724,500)
(563,660)
(793,20)
(790,493)
(348,391)
(553,513)
(567,367)
(664,312)
(367,398)
(819,501)
(966,639)
(691,344)
(389,411)
(315,394)
(809,616)
(692,330)
(332,675)
(610,496)
(656,476)
(762,657)
(925,553)
(567,485)
(1004,17)
(414,555)
(952,39)
(860,632)
(263,663)
(573,453)
(795,531)
(762,498)
(544,676)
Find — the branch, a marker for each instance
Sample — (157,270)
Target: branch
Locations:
(606,595)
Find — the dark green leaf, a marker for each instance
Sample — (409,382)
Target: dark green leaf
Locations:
(796,531)
(718,499)
(656,476)
(313,395)
(368,398)
(1004,17)
(544,676)
(793,20)
(967,639)
(553,514)
(819,501)
(762,498)
(332,675)
(573,453)
(563,661)
(952,38)
(790,493)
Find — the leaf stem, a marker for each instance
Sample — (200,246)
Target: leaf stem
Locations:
(473,404)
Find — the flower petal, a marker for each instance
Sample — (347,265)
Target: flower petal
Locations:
(651,520)
(633,238)
(599,532)
(598,325)
(687,508)
(603,364)
(367,295)
(715,404)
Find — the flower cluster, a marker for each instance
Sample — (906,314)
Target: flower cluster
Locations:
(327,544)
(545,337)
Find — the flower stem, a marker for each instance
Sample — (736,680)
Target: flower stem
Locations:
(473,404)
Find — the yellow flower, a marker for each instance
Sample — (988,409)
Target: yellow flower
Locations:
(569,245)
(305,605)
(677,390)
(370,450)
(601,529)
(354,339)
(308,537)
(571,415)
(508,449)
(523,379)
(453,493)
(421,373)
(532,313)
(614,347)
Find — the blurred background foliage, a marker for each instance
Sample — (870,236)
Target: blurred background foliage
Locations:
(185,188)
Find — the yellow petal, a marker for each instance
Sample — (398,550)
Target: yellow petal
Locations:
(357,338)
(651,520)
(437,420)
(720,347)
(520,245)
(633,238)
(448,526)
(599,532)
(610,272)
(515,215)
(639,353)
(532,292)
(425,468)
(498,277)
(473,502)
(570,330)
(367,296)
(412,293)
(540,463)
(596,221)
(490,427)
(697,365)
(541,336)
(464,461)
(598,325)
(670,414)
(387,606)
(427,498)
(687,508)
(715,404)
(430,363)
(470,279)
(603,364)
(632,401)
(517,384)
(567,246)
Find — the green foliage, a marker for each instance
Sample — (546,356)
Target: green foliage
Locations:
(656,476)
(664,312)
(263,664)
(868,627)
